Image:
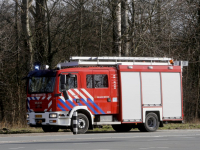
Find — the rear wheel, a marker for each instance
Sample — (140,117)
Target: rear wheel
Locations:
(50,129)
(122,127)
(151,123)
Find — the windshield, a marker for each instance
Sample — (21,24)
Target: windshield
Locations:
(41,84)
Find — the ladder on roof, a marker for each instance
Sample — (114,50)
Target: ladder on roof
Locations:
(113,61)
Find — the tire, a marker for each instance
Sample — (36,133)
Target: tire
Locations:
(50,129)
(122,127)
(83,123)
(151,123)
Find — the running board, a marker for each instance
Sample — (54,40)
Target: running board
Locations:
(105,123)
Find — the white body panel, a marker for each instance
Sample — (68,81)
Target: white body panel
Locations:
(145,91)
(171,86)
(131,96)
(151,90)
(158,109)
(60,120)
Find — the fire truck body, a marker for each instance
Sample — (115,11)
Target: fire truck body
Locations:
(125,95)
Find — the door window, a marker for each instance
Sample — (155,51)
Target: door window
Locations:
(97,81)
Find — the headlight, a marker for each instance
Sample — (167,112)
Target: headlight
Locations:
(27,116)
(52,115)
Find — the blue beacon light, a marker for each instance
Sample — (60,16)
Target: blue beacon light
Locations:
(37,67)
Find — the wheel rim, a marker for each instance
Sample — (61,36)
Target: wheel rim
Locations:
(81,123)
(152,122)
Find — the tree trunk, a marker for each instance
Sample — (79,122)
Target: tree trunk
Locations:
(198,63)
(117,28)
(101,29)
(40,27)
(49,56)
(80,50)
(158,32)
(27,37)
(125,28)
(133,49)
(18,80)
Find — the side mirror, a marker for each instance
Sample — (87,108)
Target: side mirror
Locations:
(63,86)
(63,79)
(63,82)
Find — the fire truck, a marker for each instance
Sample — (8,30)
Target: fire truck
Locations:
(124,92)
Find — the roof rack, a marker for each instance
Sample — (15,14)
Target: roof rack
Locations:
(111,61)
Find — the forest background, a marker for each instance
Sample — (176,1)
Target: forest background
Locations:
(50,31)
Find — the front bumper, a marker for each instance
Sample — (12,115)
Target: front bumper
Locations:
(40,119)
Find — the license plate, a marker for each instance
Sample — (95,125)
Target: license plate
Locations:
(38,121)
(38,116)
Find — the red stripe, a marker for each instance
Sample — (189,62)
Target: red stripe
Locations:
(62,106)
(50,100)
(68,104)
(72,99)
(90,102)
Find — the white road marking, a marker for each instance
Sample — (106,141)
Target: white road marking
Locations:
(101,149)
(54,149)
(17,148)
(80,143)
(155,148)
(158,140)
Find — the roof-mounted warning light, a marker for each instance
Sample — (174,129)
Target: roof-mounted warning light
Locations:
(58,67)
(46,67)
(37,65)
(171,61)
(181,63)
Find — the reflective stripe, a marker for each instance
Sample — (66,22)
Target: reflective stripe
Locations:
(49,105)
(88,105)
(88,94)
(99,109)
(59,106)
(71,103)
(68,107)
(72,93)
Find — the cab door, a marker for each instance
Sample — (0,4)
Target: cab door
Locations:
(70,97)
(101,91)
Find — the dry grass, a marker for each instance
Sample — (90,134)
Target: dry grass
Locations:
(106,128)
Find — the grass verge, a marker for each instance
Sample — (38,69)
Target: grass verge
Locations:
(106,128)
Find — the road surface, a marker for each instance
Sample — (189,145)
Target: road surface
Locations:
(134,140)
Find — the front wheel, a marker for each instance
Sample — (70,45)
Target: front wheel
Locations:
(151,123)
(83,123)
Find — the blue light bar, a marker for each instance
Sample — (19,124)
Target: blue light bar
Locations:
(37,67)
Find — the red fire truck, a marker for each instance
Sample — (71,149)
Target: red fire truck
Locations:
(125,92)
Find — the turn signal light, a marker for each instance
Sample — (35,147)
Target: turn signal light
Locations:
(171,61)
(52,121)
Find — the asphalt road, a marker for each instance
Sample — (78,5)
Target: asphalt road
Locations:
(135,140)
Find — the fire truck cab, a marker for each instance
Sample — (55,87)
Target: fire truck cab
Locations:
(125,92)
